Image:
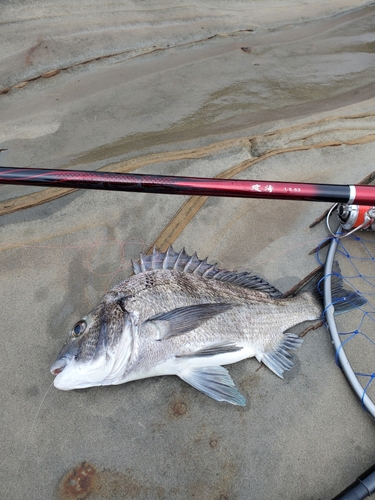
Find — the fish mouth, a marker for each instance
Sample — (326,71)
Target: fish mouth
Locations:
(58,366)
(72,374)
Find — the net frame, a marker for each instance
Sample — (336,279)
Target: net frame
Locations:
(329,309)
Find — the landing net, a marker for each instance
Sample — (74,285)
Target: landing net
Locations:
(353,332)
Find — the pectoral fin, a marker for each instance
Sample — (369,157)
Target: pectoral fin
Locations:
(185,319)
(214,381)
(213,350)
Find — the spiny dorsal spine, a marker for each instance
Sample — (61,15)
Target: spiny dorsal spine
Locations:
(182,262)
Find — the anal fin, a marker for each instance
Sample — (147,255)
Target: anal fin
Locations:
(215,382)
(280,360)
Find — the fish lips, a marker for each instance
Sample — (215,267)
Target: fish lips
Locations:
(76,374)
(58,366)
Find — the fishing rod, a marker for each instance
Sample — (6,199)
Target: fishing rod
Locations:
(361,488)
(198,186)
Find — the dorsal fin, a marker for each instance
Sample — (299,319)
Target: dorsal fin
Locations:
(181,261)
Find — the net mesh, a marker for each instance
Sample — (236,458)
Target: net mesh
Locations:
(356,328)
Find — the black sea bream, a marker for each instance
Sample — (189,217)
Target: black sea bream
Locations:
(178,315)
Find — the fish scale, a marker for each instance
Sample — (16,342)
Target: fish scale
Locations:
(179,315)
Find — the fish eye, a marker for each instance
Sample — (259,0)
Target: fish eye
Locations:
(79,328)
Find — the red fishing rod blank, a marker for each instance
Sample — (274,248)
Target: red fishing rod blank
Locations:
(81,179)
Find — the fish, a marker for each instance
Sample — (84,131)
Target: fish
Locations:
(179,315)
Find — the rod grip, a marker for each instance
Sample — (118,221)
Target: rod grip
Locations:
(361,488)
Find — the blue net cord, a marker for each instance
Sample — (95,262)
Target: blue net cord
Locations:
(356,257)
(371,378)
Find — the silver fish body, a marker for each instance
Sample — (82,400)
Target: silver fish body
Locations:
(178,315)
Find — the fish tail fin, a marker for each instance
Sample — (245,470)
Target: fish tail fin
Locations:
(279,359)
(344,300)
